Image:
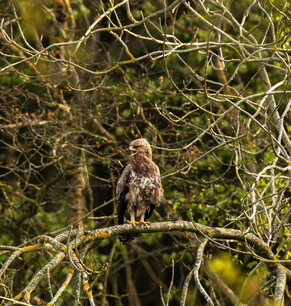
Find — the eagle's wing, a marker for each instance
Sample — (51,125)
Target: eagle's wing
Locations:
(121,191)
(149,212)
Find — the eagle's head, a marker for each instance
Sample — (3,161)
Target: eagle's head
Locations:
(140,146)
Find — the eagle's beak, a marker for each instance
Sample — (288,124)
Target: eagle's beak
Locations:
(132,150)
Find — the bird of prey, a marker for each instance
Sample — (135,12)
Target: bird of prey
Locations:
(138,188)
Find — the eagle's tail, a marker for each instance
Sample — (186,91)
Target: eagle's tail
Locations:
(125,238)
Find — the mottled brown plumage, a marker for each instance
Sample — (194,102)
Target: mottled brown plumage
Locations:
(138,188)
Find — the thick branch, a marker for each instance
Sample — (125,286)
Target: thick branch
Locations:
(259,248)
(280,286)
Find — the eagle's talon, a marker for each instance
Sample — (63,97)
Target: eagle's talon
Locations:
(133,223)
(145,223)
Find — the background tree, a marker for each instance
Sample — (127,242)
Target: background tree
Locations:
(208,83)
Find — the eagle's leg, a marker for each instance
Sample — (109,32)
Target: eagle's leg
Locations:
(142,221)
(132,221)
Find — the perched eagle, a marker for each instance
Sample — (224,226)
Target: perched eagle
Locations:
(138,188)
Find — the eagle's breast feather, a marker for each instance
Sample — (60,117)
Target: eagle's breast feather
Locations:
(144,190)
